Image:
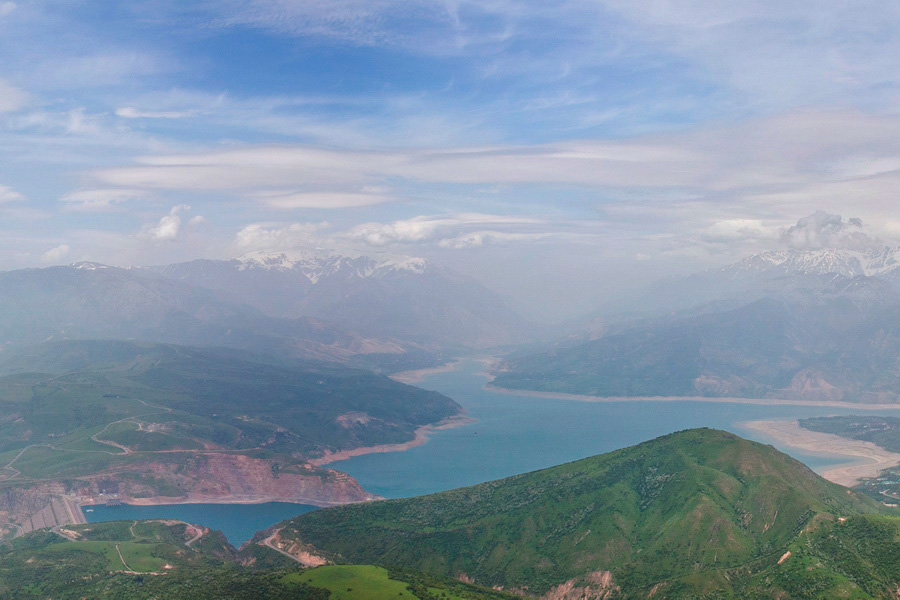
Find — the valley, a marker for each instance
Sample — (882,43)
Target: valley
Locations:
(455,300)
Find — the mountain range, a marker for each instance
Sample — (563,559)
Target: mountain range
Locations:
(398,311)
(379,295)
(808,325)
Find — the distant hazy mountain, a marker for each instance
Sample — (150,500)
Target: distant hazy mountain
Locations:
(821,325)
(297,407)
(758,275)
(695,514)
(89,300)
(377,294)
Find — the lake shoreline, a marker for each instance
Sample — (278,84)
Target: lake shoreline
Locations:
(870,458)
(174,500)
(420,375)
(422,435)
(756,401)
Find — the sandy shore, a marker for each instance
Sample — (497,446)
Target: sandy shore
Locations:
(419,375)
(759,401)
(870,459)
(422,434)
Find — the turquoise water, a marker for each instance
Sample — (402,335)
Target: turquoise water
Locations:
(513,434)
(237,521)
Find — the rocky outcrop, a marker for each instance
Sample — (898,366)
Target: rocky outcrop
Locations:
(598,585)
(224,477)
(202,477)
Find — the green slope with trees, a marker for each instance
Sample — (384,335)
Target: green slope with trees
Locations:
(699,512)
(150,560)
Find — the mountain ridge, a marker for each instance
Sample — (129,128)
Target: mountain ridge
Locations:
(377,294)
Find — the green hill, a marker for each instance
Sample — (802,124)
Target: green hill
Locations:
(150,560)
(227,398)
(699,513)
(145,420)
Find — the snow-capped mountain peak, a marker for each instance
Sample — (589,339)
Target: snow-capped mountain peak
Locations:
(88,266)
(849,263)
(318,263)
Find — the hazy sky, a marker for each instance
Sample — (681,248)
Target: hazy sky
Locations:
(549,148)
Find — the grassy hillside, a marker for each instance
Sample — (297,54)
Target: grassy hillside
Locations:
(176,397)
(149,420)
(698,511)
(163,559)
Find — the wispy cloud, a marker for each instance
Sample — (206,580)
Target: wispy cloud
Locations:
(130,112)
(102,200)
(792,162)
(55,254)
(11,98)
(8,194)
(451,232)
(329,199)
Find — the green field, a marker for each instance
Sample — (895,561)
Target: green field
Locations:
(368,582)
(353,582)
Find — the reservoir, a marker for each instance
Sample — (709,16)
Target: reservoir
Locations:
(237,521)
(513,434)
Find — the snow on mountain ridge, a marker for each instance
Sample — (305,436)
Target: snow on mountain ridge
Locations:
(318,263)
(849,263)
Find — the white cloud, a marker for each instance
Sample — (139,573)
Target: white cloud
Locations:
(409,231)
(731,231)
(11,98)
(483,238)
(278,236)
(6,8)
(465,230)
(825,230)
(168,227)
(786,153)
(297,200)
(129,112)
(450,231)
(56,254)
(7,194)
(102,200)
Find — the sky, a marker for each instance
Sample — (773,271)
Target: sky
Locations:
(559,152)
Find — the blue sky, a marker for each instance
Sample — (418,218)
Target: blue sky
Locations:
(583,144)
